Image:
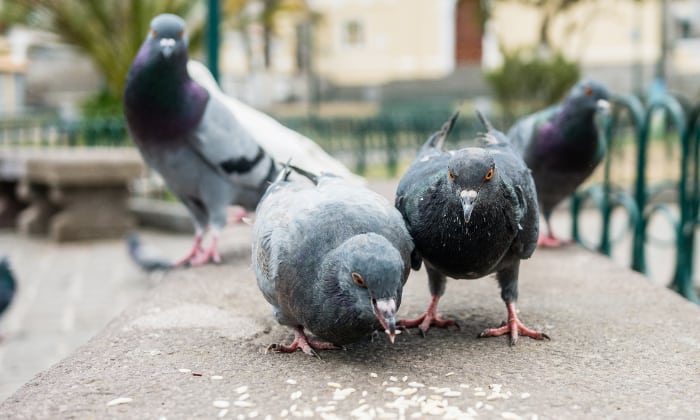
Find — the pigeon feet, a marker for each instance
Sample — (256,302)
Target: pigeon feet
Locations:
(551,241)
(513,327)
(211,254)
(428,319)
(302,342)
(199,256)
(196,250)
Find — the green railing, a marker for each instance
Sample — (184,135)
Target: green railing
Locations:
(49,132)
(640,200)
(388,141)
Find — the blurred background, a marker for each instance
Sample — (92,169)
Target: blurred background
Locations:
(368,80)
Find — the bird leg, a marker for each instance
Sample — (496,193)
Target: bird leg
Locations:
(550,240)
(429,317)
(196,250)
(514,327)
(301,342)
(210,254)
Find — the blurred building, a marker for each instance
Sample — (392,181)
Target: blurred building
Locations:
(360,50)
(12,82)
(391,52)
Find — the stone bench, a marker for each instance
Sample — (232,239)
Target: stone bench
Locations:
(71,194)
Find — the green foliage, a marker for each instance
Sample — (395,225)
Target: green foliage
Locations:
(109,32)
(103,104)
(527,82)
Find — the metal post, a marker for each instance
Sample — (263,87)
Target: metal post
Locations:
(213,37)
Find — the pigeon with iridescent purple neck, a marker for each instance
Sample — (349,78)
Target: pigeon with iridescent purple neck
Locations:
(191,138)
(562,147)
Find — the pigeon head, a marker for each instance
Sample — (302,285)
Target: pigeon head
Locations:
(168,36)
(589,95)
(471,174)
(369,274)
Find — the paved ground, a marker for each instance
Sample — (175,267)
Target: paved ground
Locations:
(194,348)
(70,292)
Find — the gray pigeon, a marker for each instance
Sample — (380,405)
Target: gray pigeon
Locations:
(145,257)
(191,138)
(562,147)
(331,258)
(8,285)
(471,212)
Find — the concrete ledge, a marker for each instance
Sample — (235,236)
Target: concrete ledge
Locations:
(161,214)
(72,194)
(621,348)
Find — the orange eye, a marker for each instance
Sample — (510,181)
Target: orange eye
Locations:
(181,34)
(358,280)
(588,91)
(154,33)
(489,175)
(451,175)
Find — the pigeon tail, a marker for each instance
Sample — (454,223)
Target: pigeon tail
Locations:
(283,174)
(491,136)
(437,140)
(312,177)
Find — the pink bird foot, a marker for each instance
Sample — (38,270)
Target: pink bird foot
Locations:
(513,327)
(429,318)
(302,342)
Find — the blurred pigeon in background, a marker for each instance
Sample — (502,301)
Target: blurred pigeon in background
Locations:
(561,146)
(8,285)
(188,133)
(470,212)
(146,257)
(331,258)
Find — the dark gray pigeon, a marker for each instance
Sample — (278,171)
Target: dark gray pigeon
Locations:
(146,257)
(331,258)
(470,212)
(207,159)
(562,147)
(8,285)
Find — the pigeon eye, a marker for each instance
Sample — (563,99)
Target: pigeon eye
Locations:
(489,175)
(154,33)
(588,91)
(181,34)
(358,280)
(451,175)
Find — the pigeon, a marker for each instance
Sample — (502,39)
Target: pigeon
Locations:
(187,131)
(331,258)
(145,257)
(470,212)
(8,285)
(561,146)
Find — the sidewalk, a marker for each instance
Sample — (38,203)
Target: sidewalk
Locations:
(193,347)
(621,346)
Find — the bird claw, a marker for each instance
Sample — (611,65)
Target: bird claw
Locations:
(515,329)
(425,321)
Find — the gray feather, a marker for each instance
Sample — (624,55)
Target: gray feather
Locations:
(309,239)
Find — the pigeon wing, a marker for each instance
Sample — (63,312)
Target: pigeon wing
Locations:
(281,142)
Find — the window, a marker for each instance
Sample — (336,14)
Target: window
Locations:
(353,33)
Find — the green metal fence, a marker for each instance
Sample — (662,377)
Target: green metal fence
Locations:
(641,200)
(49,132)
(388,141)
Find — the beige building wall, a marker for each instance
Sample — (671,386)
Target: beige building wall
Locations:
(606,33)
(371,42)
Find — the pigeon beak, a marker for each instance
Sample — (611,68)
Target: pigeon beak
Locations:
(602,105)
(167,45)
(467,198)
(385,311)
